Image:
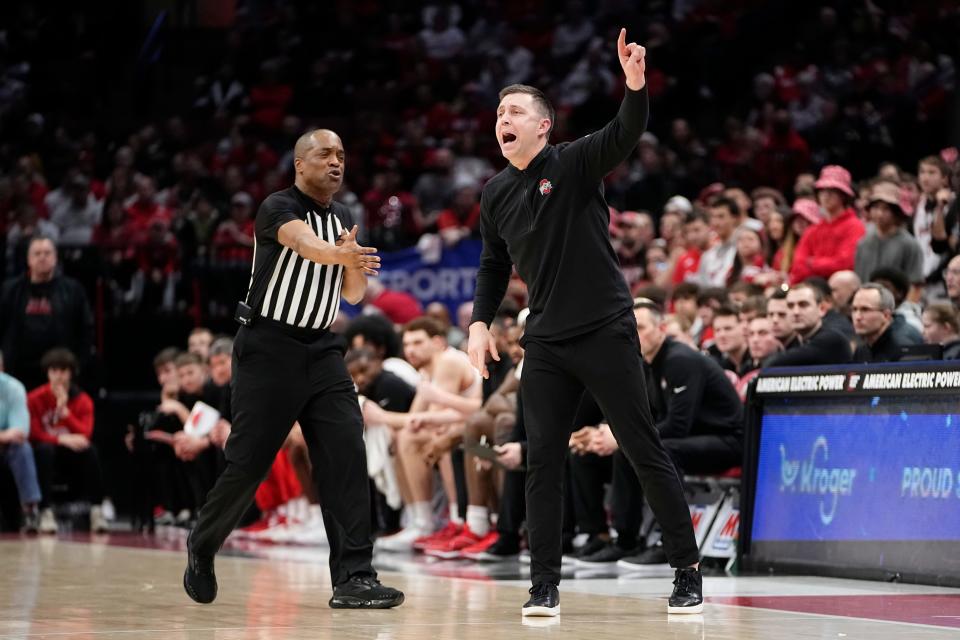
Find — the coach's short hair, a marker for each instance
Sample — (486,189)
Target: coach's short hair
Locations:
(539,98)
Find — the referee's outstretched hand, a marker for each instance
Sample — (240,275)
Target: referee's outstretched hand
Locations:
(633,59)
(354,256)
(479,344)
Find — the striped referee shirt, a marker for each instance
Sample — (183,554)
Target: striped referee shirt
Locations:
(284,286)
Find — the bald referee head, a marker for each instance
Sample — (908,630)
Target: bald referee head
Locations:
(318,158)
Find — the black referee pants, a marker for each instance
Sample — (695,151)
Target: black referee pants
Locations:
(607,363)
(277,380)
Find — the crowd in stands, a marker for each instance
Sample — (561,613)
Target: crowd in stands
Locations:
(790,206)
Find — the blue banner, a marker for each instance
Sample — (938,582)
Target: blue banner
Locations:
(451,281)
(881,477)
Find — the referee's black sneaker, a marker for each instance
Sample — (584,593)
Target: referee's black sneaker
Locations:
(687,596)
(199,580)
(365,592)
(544,601)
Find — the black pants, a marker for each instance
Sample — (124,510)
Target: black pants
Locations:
(278,379)
(607,363)
(80,470)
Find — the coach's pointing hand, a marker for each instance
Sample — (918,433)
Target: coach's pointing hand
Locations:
(479,345)
(633,60)
(353,256)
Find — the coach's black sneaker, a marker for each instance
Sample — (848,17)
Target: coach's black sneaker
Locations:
(544,601)
(199,580)
(687,596)
(364,592)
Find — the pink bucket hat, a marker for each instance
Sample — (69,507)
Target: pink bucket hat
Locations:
(834,176)
(807,209)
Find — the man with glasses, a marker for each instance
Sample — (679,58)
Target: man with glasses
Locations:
(872,309)
(815,343)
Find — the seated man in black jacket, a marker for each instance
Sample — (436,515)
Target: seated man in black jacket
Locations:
(879,341)
(697,412)
(815,343)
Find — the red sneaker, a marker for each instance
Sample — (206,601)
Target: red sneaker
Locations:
(452,530)
(452,548)
(474,552)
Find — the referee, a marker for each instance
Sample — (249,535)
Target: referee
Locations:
(289,367)
(546,213)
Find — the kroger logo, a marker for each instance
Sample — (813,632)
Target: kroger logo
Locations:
(815,478)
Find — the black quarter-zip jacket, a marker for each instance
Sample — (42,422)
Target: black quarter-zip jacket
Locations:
(552,221)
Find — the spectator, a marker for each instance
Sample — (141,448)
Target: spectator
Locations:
(830,245)
(21,232)
(684,303)
(393,214)
(77,215)
(158,263)
(399,306)
(434,189)
(906,314)
(61,428)
(462,219)
(750,263)
(708,301)
(951,278)
(815,344)
(832,319)
(144,207)
(804,214)
(205,218)
(873,306)
(439,312)
(233,240)
(888,243)
(761,341)
(941,326)
(781,324)
(934,177)
(442,40)
(199,342)
(775,229)
(17,453)
(42,310)
(716,262)
(766,201)
(636,233)
(731,340)
(843,284)
(696,239)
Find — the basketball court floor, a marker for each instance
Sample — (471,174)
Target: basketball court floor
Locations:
(126,586)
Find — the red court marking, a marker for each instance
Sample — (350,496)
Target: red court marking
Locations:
(941,609)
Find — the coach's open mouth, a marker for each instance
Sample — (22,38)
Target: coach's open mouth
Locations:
(507,138)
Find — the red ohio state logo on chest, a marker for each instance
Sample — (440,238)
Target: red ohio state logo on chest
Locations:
(545,187)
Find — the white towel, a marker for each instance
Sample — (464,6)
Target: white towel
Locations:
(380,465)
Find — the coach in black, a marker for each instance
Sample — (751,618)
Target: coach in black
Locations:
(288,367)
(546,214)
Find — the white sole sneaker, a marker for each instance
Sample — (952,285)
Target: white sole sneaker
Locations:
(686,610)
(541,612)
